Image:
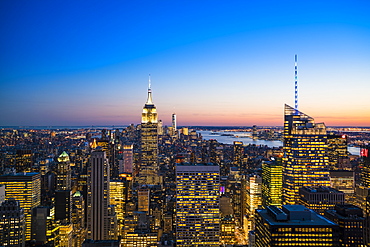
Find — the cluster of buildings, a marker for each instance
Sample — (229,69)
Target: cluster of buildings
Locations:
(153,185)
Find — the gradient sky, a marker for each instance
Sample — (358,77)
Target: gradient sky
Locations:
(211,62)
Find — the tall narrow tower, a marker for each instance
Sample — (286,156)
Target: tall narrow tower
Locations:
(305,161)
(98,221)
(63,196)
(64,172)
(174,124)
(148,173)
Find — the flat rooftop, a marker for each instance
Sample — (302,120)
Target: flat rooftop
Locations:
(315,218)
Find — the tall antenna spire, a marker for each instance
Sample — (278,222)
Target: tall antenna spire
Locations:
(296,83)
(149,83)
(149,100)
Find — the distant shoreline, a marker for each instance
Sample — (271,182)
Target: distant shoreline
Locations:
(214,128)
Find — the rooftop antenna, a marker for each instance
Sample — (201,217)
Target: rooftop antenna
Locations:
(296,82)
(149,101)
(149,83)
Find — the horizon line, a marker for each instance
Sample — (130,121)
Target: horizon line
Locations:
(180,126)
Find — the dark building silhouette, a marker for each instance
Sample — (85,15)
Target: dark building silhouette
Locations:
(351,224)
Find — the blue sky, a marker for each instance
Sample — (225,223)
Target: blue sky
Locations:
(212,62)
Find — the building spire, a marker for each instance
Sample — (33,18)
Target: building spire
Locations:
(149,88)
(296,83)
(149,101)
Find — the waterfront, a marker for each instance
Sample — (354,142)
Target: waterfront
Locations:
(246,139)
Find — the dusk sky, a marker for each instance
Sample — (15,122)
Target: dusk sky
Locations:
(211,62)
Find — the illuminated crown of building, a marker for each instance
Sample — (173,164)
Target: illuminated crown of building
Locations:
(64,157)
(149,114)
(305,154)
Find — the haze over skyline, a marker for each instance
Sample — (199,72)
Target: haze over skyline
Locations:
(211,62)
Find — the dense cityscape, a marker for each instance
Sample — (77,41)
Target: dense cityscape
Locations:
(231,145)
(154,185)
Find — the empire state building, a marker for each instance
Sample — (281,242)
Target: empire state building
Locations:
(148,173)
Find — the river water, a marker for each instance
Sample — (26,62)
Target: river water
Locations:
(246,139)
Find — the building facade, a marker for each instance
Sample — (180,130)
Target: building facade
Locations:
(148,172)
(174,124)
(351,222)
(338,152)
(238,154)
(25,188)
(128,158)
(253,199)
(64,172)
(294,225)
(12,224)
(320,199)
(344,180)
(197,205)
(272,182)
(98,216)
(305,160)
(45,229)
(78,219)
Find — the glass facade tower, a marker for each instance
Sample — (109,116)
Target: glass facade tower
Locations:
(305,161)
(26,189)
(272,183)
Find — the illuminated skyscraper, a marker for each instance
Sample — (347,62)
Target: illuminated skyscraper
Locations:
(64,172)
(149,143)
(320,199)
(23,160)
(197,205)
(343,181)
(363,191)
(25,188)
(12,224)
(253,199)
(128,158)
(160,128)
(119,195)
(305,161)
(63,195)
(98,220)
(140,238)
(365,172)
(108,146)
(174,124)
(45,229)
(78,219)
(185,131)
(337,152)
(294,225)
(238,154)
(227,231)
(272,182)
(143,199)
(65,234)
(215,152)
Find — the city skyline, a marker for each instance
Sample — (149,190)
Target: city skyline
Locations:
(211,63)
